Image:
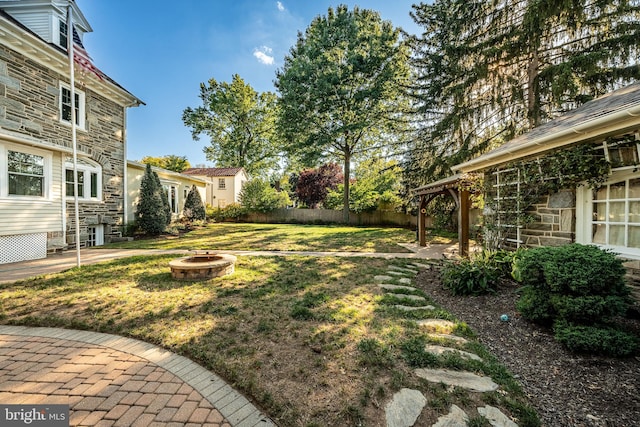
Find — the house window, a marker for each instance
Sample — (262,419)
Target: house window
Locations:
(616,214)
(26,174)
(172,195)
(63,34)
(89,179)
(623,151)
(95,235)
(65,106)
(222,185)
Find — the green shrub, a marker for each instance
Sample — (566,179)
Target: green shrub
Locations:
(595,339)
(584,309)
(232,211)
(534,305)
(257,195)
(502,259)
(578,289)
(193,207)
(150,210)
(471,277)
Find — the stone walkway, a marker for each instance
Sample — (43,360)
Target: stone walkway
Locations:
(406,405)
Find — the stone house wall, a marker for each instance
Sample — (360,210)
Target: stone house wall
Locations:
(29,105)
(554,221)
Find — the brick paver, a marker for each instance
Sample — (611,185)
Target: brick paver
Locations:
(106,381)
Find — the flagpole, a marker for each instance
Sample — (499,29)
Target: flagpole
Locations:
(73,129)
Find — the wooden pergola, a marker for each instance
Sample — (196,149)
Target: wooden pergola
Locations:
(447,186)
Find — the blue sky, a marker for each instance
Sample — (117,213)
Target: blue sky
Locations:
(162,50)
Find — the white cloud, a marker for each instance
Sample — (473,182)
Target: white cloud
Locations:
(280,6)
(264,55)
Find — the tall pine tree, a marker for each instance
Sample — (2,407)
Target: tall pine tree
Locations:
(487,71)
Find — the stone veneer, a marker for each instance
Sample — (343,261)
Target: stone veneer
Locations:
(29,104)
(554,221)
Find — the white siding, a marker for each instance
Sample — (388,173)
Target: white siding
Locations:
(38,22)
(135,172)
(34,216)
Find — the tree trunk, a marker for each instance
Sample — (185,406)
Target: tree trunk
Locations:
(347,172)
(533,90)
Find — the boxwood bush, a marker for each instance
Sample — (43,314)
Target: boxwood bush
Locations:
(580,290)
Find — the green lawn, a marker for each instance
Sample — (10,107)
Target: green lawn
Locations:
(281,237)
(312,340)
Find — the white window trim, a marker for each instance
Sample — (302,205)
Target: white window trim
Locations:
(99,234)
(222,183)
(81,107)
(4,172)
(166,185)
(584,214)
(92,167)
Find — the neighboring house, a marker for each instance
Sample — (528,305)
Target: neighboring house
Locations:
(223,184)
(36,168)
(177,186)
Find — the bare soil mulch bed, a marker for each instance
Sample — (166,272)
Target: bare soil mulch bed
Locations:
(566,389)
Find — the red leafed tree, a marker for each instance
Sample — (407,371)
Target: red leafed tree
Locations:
(314,184)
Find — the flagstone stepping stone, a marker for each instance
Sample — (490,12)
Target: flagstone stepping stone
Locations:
(382,278)
(455,418)
(390,287)
(440,350)
(395,273)
(403,269)
(467,380)
(405,408)
(437,324)
(496,417)
(421,265)
(411,297)
(407,308)
(405,281)
(455,338)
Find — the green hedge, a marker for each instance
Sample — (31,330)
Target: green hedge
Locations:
(580,290)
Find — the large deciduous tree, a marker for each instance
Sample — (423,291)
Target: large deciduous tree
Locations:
(487,71)
(240,123)
(341,88)
(170,162)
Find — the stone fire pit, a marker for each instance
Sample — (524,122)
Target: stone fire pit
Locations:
(202,265)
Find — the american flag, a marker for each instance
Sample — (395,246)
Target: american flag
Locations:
(82,58)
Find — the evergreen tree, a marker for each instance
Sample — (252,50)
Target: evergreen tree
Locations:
(150,215)
(487,71)
(193,206)
(164,196)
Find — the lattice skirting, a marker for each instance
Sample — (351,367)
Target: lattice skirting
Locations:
(23,247)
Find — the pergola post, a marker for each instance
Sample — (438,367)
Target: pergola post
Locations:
(422,222)
(463,222)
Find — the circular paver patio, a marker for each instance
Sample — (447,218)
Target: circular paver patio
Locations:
(109,380)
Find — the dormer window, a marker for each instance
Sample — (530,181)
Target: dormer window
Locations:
(63,34)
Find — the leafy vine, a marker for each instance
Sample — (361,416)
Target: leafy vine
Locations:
(523,183)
